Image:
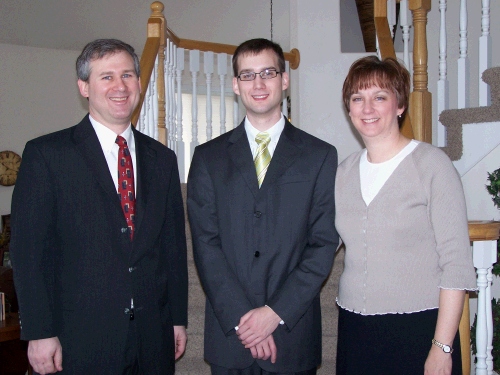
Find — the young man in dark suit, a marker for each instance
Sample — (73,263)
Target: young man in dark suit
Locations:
(98,242)
(261,209)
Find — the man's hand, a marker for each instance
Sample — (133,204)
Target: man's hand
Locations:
(438,362)
(256,325)
(45,355)
(265,349)
(180,337)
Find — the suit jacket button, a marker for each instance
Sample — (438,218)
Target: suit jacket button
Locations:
(256,254)
(258,214)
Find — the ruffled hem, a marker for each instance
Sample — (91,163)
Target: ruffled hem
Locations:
(385,312)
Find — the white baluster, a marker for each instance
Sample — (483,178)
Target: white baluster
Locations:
(141,121)
(405,22)
(147,106)
(153,123)
(489,323)
(168,92)
(284,101)
(150,114)
(222,71)
(172,134)
(208,63)
(181,158)
(443,84)
(463,61)
(484,53)
(484,254)
(391,15)
(236,111)
(194,67)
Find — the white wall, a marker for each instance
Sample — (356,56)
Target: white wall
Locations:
(479,203)
(38,87)
(38,95)
(316,86)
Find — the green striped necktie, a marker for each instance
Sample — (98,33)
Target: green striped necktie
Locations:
(263,157)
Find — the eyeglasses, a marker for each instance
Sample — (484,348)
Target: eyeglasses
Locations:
(265,74)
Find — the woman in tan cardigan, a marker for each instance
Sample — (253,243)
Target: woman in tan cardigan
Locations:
(402,217)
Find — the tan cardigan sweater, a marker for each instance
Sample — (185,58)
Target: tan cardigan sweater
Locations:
(411,240)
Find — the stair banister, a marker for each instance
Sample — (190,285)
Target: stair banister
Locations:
(157,35)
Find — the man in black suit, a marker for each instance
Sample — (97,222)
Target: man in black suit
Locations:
(263,231)
(100,259)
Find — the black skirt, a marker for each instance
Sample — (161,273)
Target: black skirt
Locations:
(388,344)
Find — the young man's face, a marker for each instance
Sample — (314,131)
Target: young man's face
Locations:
(113,90)
(261,97)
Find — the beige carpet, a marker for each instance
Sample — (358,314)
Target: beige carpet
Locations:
(192,362)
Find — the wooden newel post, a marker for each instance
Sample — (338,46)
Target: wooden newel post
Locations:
(420,99)
(157,13)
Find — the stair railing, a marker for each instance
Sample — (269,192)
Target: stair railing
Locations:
(163,83)
(418,122)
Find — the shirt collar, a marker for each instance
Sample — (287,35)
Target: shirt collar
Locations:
(274,131)
(107,137)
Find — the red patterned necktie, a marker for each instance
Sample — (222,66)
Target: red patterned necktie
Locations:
(126,183)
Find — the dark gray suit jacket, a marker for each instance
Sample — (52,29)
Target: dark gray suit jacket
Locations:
(274,245)
(75,268)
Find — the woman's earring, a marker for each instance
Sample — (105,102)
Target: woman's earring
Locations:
(399,116)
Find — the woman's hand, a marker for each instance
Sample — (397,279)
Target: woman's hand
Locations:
(438,362)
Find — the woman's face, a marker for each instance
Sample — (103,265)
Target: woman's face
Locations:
(374,112)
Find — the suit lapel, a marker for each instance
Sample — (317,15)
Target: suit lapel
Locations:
(241,155)
(146,162)
(88,144)
(287,150)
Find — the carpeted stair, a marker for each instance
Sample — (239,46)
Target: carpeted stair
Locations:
(454,119)
(192,362)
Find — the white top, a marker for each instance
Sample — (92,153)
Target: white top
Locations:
(374,175)
(274,132)
(107,139)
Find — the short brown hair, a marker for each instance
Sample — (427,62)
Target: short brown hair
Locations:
(387,74)
(99,48)
(256,46)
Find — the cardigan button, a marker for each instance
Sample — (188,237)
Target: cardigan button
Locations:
(256,254)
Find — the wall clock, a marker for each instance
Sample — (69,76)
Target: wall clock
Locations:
(9,166)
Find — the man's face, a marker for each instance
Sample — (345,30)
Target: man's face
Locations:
(261,97)
(113,90)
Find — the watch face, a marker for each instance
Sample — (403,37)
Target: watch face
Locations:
(446,349)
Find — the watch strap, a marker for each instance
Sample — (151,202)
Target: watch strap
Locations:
(446,348)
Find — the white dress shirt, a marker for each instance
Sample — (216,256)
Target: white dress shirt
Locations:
(274,132)
(107,139)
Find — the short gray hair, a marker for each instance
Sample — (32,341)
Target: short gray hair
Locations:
(97,50)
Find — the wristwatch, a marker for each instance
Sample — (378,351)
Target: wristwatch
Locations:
(446,348)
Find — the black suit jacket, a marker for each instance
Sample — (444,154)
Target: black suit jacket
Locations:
(270,246)
(76,268)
